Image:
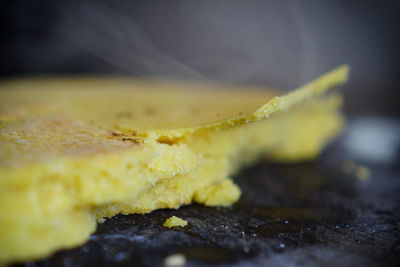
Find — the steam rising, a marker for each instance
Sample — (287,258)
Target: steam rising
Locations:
(118,40)
(282,43)
(222,46)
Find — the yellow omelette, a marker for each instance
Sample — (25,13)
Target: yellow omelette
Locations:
(76,150)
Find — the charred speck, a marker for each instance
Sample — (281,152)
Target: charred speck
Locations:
(130,139)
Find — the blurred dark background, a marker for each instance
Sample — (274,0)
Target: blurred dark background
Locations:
(279,44)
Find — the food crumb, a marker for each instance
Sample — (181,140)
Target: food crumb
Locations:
(175,260)
(363,173)
(175,222)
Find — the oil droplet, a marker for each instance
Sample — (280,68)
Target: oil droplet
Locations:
(279,247)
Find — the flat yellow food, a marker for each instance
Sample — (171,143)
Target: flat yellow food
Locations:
(76,150)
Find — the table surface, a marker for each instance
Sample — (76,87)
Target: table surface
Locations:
(308,214)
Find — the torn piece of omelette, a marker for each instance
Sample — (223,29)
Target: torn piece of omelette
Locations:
(76,150)
(174,221)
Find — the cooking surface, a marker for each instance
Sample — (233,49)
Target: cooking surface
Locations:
(304,214)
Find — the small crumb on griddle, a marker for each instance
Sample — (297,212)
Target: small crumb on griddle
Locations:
(175,222)
(361,172)
(175,260)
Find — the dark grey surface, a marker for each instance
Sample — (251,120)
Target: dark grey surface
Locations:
(308,214)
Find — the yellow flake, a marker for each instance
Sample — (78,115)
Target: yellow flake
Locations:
(175,222)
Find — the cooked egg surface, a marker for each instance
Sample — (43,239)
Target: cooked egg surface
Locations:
(73,151)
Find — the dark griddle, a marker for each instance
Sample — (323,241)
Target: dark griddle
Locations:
(309,214)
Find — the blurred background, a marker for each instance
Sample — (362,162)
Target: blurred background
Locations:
(280,44)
